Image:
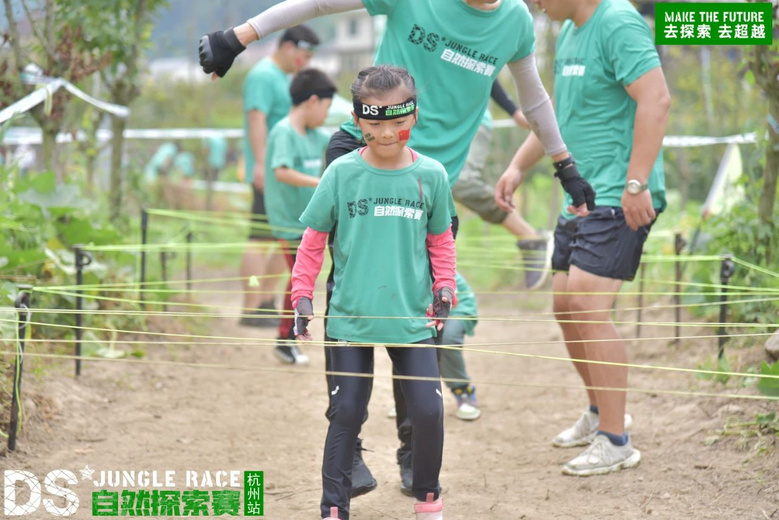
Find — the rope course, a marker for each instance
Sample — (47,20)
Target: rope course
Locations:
(142,298)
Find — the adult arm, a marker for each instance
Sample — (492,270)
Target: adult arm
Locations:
(258,136)
(295,178)
(217,50)
(288,14)
(653,102)
(526,157)
(505,102)
(537,106)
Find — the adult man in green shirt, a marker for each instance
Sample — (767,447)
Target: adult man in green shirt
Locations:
(266,101)
(612,106)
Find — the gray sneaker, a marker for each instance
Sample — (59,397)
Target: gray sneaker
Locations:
(602,457)
(290,354)
(537,260)
(584,431)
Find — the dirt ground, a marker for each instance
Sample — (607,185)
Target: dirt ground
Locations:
(119,416)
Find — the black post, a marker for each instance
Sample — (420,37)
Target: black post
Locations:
(82,260)
(22,305)
(640,299)
(144,229)
(726,271)
(164,265)
(679,243)
(189,263)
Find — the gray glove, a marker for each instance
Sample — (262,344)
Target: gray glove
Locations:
(303,310)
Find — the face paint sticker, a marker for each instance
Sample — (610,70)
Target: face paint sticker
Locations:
(369,138)
(404,135)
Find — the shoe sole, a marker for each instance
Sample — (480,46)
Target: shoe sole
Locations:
(363,490)
(630,462)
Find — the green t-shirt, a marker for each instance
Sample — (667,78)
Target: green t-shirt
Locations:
(454,52)
(217,151)
(593,64)
(162,158)
(266,89)
(184,164)
(381,218)
(466,304)
(285,203)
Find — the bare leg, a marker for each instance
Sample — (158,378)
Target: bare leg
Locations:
(518,226)
(262,260)
(602,342)
(570,331)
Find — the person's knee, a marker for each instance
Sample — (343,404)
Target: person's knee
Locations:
(347,413)
(426,413)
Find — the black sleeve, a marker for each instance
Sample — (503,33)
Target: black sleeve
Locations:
(502,98)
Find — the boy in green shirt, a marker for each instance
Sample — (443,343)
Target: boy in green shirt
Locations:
(293,162)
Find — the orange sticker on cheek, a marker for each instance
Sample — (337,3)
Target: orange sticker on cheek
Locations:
(404,135)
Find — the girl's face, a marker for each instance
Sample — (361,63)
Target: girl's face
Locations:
(386,138)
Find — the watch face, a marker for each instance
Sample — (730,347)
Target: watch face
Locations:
(634,187)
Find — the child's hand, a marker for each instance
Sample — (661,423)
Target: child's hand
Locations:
(439,309)
(304,312)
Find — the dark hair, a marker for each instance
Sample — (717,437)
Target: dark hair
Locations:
(300,33)
(380,80)
(310,82)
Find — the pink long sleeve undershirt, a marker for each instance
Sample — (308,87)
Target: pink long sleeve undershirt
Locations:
(311,255)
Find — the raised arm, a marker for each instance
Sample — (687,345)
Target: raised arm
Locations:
(218,49)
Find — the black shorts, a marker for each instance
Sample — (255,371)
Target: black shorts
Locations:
(600,243)
(260,229)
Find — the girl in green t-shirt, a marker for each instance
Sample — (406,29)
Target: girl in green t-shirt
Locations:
(390,209)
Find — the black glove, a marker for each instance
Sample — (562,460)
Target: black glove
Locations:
(217,50)
(441,308)
(303,310)
(575,185)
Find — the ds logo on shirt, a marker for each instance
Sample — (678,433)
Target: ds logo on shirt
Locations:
(428,40)
(359,207)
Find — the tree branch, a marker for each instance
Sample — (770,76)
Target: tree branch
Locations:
(13,31)
(44,42)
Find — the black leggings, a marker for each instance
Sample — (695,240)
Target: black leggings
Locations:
(349,398)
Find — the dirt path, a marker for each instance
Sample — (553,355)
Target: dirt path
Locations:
(160,417)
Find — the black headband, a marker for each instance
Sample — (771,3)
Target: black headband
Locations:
(303,96)
(408,107)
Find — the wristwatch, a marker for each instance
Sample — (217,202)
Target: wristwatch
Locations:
(635,187)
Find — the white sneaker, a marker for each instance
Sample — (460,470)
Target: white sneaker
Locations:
(468,412)
(602,457)
(290,354)
(584,431)
(430,509)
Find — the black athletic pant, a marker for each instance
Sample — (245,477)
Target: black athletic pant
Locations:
(349,400)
